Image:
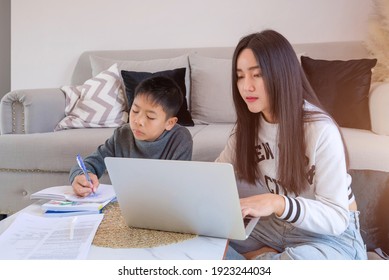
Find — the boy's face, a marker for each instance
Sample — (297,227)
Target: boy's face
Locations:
(147,120)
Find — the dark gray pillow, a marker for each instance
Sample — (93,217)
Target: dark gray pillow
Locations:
(371,190)
(343,88)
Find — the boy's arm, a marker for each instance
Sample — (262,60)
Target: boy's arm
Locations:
(95,162)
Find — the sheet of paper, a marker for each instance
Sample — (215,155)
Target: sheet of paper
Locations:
(104,193)
(36,237)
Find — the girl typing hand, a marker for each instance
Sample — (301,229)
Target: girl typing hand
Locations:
(262,205)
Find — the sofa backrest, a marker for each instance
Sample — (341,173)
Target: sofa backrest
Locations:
(208,75)
(83,69)
(326,50)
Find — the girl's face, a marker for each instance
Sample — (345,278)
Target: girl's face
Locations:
(148,120)
(251,85)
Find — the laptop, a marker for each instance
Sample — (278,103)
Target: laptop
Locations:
(180,196)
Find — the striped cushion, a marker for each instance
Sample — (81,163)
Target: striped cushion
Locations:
(99,102)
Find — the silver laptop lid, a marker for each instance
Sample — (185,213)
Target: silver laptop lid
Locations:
(180,196)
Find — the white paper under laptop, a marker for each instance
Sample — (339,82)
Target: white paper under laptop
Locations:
(180,196)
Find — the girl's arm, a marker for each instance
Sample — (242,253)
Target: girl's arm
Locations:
(324,208)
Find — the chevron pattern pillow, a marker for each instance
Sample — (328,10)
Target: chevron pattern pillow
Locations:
(99,102)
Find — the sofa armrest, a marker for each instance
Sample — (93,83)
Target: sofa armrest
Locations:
(378,105)
(31,111)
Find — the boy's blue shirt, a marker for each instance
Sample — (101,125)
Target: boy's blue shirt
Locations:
(176,144)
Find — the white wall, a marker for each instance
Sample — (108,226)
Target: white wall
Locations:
(5,46)
(49,35)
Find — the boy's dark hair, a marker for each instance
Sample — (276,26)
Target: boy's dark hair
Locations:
(163,91)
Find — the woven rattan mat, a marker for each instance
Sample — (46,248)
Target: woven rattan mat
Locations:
(114,233)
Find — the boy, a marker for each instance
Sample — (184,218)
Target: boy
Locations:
(152,132)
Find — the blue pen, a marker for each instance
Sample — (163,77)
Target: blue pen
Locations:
(83,168)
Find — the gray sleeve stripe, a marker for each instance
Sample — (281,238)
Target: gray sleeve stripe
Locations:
(290,209)
(294,210)
(298,211)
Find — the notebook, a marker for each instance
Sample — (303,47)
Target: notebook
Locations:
(180,196)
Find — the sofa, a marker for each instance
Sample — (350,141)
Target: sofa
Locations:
(36,154)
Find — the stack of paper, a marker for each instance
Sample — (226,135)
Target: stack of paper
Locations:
(64,202)
(40,238)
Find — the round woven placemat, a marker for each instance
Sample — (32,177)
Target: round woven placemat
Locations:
(114,233)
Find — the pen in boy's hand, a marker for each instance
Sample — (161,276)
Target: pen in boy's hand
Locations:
(83,168)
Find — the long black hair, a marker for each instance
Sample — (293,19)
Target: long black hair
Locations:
(287,87)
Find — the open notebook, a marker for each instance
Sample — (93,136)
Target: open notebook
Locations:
(180,196)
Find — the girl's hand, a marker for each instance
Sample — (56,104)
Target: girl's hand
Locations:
(262,205)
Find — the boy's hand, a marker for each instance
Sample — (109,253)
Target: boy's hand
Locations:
(82,187)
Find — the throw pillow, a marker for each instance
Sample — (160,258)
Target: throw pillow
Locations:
(343,88)
(211,94)
(131,80)
(99,102)
(99,64)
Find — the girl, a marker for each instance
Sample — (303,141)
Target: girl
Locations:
(286,144)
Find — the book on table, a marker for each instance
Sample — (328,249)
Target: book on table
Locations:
(69,208)
(64,202)
(56,214)
(103,193)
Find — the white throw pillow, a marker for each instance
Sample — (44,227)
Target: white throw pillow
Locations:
(99,64)
(211,95)
(99,102)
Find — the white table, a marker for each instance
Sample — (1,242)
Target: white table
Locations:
(199,248)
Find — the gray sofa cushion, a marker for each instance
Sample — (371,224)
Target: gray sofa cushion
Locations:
(209,140)
(211,98)
(49,151)
(371,190)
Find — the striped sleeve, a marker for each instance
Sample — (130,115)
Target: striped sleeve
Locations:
(350,193)
(293,212)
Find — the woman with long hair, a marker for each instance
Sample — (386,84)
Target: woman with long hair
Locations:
(288,146)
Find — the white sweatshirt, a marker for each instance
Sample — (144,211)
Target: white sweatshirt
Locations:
(323,207)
